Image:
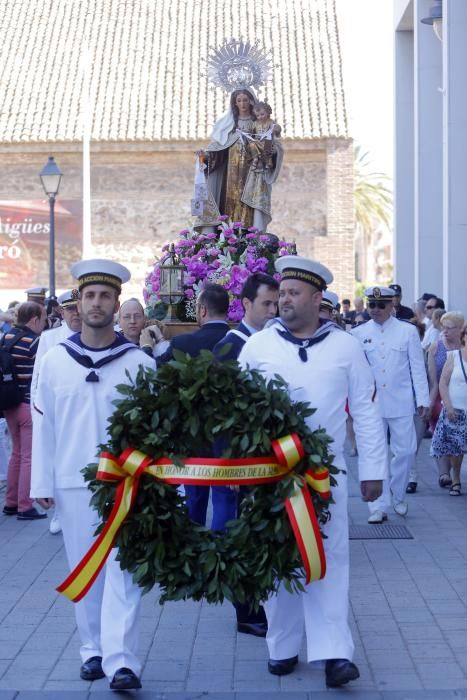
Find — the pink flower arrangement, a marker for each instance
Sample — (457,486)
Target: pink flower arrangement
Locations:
(226,256)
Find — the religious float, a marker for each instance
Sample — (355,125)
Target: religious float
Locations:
(195,406)
(231,203)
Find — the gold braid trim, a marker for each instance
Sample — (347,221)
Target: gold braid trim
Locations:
(99,278)
(304,276)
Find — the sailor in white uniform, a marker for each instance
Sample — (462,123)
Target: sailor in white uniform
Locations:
(393,351)
(324,366)
(68,302)
(328,306)
(76,388)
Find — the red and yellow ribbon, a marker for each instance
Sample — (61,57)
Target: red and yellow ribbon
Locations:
(319,481)
(305,525)
(131,464)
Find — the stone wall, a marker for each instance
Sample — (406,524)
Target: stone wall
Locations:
(141,195)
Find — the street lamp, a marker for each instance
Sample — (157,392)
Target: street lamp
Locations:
(171,282)
(50,176)
(435,19)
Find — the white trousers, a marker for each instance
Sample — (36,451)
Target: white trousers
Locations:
(403,445)
(108,615)
(322,610)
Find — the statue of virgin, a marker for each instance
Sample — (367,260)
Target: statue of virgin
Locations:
(238,191)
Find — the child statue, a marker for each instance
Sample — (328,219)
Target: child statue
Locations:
(265,129)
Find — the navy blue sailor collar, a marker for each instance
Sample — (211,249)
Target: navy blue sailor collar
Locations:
(322,332)
(77,350)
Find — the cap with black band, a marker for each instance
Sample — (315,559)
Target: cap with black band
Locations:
(305,270)
(99,271)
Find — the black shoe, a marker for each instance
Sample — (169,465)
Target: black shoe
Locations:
(31,514)
(91,670)
(257,629)
(282,667)
(339,672)
(411,487)
(10,510)
(125,679)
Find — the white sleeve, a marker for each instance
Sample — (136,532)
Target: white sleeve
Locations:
(367,421)
(417,369)
(41,351)
(160,348)
(426,342)
(43,456)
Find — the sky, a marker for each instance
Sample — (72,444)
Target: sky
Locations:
(366,34)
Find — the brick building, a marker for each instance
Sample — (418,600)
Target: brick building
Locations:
(150,107)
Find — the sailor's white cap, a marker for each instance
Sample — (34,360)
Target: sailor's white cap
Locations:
(99,271)
(304,269)
(330,300)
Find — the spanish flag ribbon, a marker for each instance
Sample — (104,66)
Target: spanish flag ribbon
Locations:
(127,469)
(319,481)
(305,525)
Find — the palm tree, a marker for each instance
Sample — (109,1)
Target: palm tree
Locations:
(373,208)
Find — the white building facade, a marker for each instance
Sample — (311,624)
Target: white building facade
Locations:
(431,150)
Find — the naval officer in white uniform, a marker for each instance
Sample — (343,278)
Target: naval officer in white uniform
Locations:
(73,402)
(393,350)
(324,366)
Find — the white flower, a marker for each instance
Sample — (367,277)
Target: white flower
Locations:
(225,260)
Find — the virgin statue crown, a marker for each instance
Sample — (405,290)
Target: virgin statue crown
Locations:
(239,64)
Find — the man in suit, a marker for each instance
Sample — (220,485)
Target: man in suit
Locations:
(348,316)
(400,311)
(211,312)
(259,298)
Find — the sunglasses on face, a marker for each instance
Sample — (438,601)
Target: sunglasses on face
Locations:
(377,304)
(430,307)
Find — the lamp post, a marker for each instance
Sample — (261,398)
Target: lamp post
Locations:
(50,176)
(171,282)
(435,18)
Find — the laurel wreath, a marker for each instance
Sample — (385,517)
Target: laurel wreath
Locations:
(180,411)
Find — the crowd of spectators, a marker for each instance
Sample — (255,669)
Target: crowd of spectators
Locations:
(442,337)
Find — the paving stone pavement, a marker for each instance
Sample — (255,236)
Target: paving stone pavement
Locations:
(408,616)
